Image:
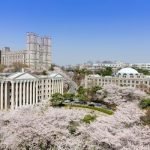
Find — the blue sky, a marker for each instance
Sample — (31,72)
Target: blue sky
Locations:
(81,30)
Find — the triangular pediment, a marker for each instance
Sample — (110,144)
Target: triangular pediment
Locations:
(22,75)
(25,76)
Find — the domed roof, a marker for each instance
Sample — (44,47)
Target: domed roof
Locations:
(127,71)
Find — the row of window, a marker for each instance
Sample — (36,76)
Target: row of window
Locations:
(121,81)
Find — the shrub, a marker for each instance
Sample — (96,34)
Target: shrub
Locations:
(146,119)
(57,99)
(89,118)
(44,72)
(145,103)
(72,127)
(69,96)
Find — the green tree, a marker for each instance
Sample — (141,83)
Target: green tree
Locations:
(144,71)
(105,72)
(95,89)
(57,99)
(145,103)
(81,90)
(82,94)
(69,96)
(89,118)
(82,97)
(79,74)
(51,68)
(44,72)
(146,118)
(2,67)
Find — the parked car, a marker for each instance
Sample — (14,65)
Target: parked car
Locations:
(97,104)
(76,101)
(83,102)
(79,102)
(94,104)
(91,104)
(67,101)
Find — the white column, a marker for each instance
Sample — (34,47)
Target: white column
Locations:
(62,86)
(52,87)
(46,94)
(56,85)
(59,83)
(2,100)
(50,93)
(24,92)
(16,94)
(42,89)
(6,95)
(36,92)
(30,92)
(33,92)
(27,98)
(20,94)
(59,86)
(12,95)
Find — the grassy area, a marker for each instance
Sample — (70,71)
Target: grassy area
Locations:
(146,117)
(104,110)
(89,118)
(145,103)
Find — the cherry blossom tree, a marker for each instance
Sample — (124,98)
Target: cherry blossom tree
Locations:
(44,127)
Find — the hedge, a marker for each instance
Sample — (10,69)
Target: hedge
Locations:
(104,110)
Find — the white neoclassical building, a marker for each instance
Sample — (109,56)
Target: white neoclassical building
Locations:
(124,77)
(21,88)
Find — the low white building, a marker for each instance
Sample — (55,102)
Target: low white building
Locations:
(21,88)
(102,65)
(145,66)
(124,77)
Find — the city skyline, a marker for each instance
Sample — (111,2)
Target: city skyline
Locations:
(81,30)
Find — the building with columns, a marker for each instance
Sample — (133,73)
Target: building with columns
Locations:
(22,88)
(126,77)
(37,55)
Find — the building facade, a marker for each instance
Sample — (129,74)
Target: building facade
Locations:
(145,66)
(9,57)
(126,77)
(37,55)
(21,88)
(102,65)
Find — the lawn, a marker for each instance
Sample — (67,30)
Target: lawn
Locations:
(104,110)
